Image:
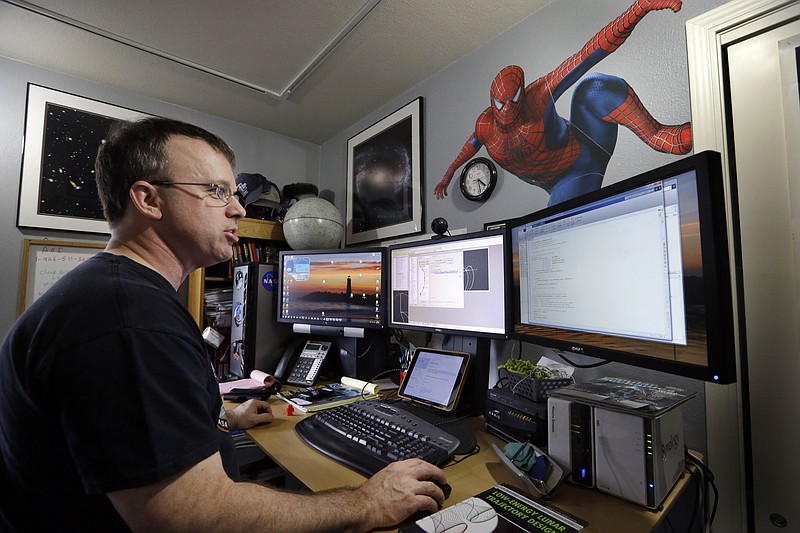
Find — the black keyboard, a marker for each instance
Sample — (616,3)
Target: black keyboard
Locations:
(368,435)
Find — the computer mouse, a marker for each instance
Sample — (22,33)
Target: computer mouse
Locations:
(419,515)
(446,488)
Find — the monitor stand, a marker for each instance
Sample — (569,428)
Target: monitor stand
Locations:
(473,397)
(365,358)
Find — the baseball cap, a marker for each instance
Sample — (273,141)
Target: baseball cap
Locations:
(253,188)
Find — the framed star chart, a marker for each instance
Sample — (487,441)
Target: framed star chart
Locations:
(62,135)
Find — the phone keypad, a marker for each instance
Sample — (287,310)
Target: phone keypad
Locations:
(309,364)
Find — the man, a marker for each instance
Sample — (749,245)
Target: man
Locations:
(110,417)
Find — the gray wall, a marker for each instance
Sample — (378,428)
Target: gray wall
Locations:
(653,61)
(282,159)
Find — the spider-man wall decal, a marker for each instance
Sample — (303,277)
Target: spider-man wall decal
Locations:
(524,134)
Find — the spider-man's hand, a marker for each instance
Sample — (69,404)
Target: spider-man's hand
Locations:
(440,191)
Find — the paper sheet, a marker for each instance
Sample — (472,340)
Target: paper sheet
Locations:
(257,380)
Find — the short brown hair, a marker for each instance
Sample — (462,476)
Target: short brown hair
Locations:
(134,151)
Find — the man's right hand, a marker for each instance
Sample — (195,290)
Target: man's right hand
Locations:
(402,489)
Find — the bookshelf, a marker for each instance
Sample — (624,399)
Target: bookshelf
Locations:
(248,228)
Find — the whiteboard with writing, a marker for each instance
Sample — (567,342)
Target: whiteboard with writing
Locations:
(44,262)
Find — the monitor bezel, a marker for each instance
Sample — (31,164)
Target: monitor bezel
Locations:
(718,276)
(451,331)
(334,328)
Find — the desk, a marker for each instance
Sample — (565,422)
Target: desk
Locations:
(467,478)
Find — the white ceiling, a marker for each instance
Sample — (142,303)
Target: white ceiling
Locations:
(245,60)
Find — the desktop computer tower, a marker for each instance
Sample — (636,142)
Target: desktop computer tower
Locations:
(257,339)
(638,458)
(570,439)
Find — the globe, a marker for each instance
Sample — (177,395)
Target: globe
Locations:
(312,224)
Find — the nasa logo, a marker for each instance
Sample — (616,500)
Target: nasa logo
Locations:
(268,281)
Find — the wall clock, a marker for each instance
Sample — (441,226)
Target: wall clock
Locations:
(478,179)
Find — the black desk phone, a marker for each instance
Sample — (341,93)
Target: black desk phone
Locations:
(301,367)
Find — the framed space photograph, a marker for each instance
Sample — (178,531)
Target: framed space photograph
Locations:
(384,177)
(62,135)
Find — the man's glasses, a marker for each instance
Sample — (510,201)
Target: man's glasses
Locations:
(221,191)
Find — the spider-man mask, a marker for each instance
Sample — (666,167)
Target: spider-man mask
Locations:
(506,94)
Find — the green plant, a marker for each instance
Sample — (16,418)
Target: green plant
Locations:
(527,368)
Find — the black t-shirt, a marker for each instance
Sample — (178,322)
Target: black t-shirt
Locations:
(104,385)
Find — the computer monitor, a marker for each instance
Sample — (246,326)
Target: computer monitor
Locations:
(451,285)
(336,292)
(637,272)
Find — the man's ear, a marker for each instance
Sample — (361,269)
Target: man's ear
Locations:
(146,200)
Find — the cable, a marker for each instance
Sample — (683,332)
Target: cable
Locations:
(376,376)
(472,452)
(701,509)
(668,523)
(708,481)
(356,355)
(365,352)
(593,365)
(697,477)
(400,337)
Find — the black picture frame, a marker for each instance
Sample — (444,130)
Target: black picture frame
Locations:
(384,177)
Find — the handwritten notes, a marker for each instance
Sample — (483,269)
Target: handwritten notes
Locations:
(45,262)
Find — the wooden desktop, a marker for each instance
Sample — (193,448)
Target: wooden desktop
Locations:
(467,478)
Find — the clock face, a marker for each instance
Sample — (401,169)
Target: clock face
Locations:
(478,179)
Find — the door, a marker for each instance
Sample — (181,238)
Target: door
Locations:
(763,96)
(744,89)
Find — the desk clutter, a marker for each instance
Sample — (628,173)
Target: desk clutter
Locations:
(319,397)
(296,441)
(621,436)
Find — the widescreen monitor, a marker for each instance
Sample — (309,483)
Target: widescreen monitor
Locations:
(451,285)
(637,272)
(332,292)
